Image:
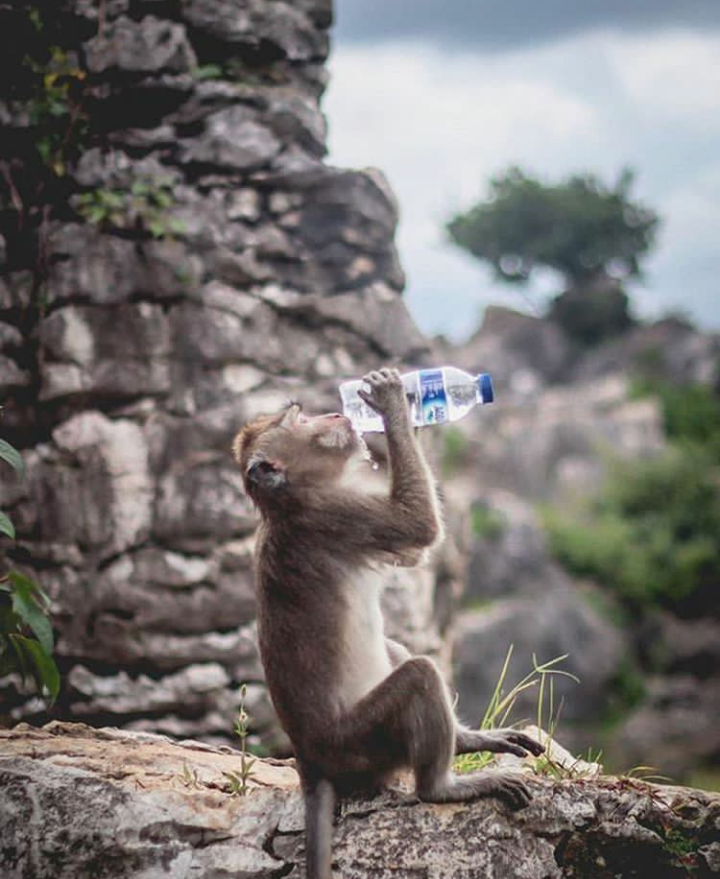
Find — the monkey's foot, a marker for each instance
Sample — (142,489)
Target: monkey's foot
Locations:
(510,787)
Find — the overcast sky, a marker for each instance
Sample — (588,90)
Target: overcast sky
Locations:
(442,94)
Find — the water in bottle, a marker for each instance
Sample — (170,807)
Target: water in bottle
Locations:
(435,396)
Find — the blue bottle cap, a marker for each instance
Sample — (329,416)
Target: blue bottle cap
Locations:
(487,395)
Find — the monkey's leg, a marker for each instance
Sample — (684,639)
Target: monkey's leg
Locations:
(467,741)
(508,741)
(411,710)
(319,806)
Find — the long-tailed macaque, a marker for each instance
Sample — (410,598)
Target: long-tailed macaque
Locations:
(356,706)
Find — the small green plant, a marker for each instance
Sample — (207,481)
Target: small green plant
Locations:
(207,71)
(238,781)
(679,845)
(547,721)
(501,704)
(102,207)
(190,776)
(50,85)
(26,637)
(144,206)
(645,774)
(56,109)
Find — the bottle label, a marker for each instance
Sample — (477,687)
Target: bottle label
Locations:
(433,400)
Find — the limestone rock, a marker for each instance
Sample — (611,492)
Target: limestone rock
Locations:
(522,352)
(677,724)
(512,559)
(276,29)
(549,446)
(559,622)
(216,336)
(121,694)
(201,497)
(15,290)
(107,269)
(11,376)
(670,348)
(233,138)
(86,354)
(78,802)
(115,169)
(150,44)
(103,501)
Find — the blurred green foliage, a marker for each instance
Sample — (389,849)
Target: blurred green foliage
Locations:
(691,412)
(454,451)
(653,534)
(589,315)
(625,690)
(48,81)
(26,637)
(594,235)
(485,522)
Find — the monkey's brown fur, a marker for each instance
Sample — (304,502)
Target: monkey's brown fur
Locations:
(355,705)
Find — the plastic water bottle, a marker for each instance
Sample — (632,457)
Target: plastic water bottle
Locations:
(435,396)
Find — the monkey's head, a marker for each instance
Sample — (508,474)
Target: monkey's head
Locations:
(289,452)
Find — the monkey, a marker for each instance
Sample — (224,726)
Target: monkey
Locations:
(356,706)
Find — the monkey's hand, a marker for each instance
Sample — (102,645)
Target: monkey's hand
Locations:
(509,741)
(386,395)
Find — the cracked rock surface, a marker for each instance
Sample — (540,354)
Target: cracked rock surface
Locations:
(78,802)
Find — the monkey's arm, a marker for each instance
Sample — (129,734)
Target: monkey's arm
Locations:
(412,502)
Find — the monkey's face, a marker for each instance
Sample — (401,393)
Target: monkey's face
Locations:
(291,451)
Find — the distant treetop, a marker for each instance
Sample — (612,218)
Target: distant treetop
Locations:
(584,229)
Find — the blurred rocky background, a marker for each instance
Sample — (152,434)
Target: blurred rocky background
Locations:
(176,257)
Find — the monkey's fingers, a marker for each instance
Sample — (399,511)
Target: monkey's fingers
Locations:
(369,400)
(513,742)
(508,786)
(514,791)
(507,748)
(384,376)
(527,742)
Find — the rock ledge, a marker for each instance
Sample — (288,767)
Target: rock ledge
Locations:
(81,802)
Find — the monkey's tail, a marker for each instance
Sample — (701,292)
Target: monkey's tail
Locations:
(319,809)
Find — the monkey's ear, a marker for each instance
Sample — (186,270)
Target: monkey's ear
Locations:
(291,414)
(265,475)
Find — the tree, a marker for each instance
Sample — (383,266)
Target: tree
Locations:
(593,235)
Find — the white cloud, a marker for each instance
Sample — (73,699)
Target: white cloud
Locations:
(675,74)
(440,125)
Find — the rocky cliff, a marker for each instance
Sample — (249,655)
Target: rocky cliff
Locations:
(77,802)
(564,413)
(175,257)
